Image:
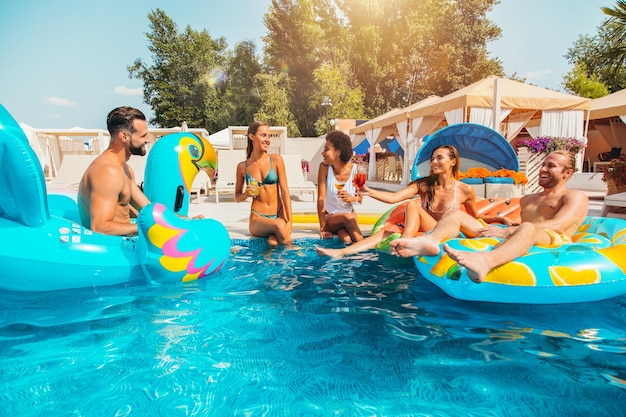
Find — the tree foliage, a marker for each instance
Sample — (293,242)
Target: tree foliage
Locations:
(577,81)
(406,50)
(616,34)
(333,84)
(180,84)
(275,91)
(367,57)
(398,51)
(600,58)
(240,98)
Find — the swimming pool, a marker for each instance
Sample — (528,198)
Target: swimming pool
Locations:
(285,333)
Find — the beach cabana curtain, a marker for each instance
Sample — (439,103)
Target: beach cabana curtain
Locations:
(614,131)
(455,116)
(403,138)
(566,124)
(372,137)
(563,123)
(420,127)
(517,122)
(484,116)
(402,133)
(533,131)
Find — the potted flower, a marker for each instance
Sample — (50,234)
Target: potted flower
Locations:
(305,168)
(547,144)
(615,175)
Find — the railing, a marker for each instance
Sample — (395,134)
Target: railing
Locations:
(530,164)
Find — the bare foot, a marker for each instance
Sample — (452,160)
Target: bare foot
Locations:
(474,262)
(422,245)
(333,253)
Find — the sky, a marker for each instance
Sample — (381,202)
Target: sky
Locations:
(63,62)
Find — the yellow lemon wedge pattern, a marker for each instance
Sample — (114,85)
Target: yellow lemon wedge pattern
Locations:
(566,275)
(512,273)
(617,255)
(480,244)
(443,265)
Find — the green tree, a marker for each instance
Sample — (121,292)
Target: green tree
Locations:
(291,47)
(590,53)
(406,50)
(334,83)
(602,55)
(445,46)
(181,82)
(616,34)
(240,99)
(577,81)
(274,91)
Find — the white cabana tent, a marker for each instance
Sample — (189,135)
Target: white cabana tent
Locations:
(395,122)
(508,106)
(609,116)
(221,139)
(505,105)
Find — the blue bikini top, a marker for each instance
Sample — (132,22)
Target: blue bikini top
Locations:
(270,179)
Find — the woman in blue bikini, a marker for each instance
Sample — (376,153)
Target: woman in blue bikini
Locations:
(270,212)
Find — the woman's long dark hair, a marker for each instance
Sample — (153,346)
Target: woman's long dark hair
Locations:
(432,179)
(252,129)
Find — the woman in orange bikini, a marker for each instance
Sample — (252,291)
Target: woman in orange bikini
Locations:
(430,197)
(266,182)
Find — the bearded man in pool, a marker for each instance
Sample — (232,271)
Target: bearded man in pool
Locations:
(108,195)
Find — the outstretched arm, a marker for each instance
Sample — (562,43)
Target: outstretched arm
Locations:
(388,197)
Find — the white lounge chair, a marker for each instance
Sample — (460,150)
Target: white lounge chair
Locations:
(71,172)
(201,185)
(295,177)
(227,161)
(612,202)
(589,182)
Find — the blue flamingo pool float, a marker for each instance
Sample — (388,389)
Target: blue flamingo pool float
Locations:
(44,247)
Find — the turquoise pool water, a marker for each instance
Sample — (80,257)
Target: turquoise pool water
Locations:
(285,333)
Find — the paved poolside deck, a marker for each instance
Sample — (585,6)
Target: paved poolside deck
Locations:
(235,215)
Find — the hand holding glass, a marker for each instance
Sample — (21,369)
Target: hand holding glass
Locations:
(253,188)
(360,177)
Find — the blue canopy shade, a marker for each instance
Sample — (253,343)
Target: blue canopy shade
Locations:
(362,147)
(389,144)
(478,146)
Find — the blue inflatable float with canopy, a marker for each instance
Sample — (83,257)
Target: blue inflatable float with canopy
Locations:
(591,268)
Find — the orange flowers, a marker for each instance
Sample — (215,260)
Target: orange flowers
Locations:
(518,177)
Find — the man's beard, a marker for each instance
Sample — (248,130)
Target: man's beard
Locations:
(137,150)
